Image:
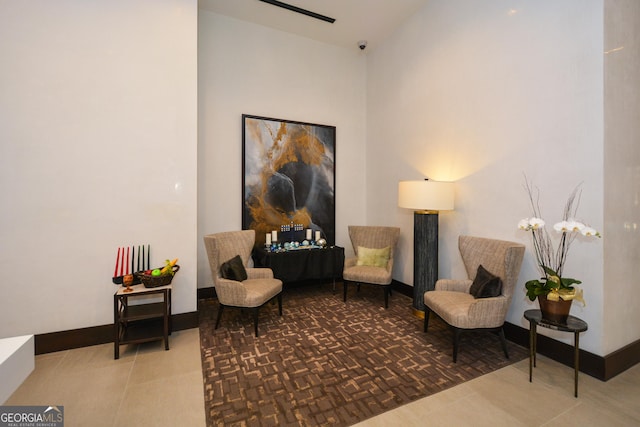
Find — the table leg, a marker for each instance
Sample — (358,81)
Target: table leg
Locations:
(532,348)
(535,344)
(169,308)
(116,326)
(576,360)
(167,318)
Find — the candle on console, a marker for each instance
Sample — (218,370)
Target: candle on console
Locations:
(317,235)
(148,256)
(127,259)
(122,262)
(138,267)
(274,236)
(268,238)
(115,272)
(308,234)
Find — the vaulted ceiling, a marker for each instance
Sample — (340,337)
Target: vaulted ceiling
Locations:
(355,20)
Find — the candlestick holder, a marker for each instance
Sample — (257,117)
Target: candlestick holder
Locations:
(291,229)
(128,281)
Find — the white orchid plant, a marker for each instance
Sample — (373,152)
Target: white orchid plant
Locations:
(551,259)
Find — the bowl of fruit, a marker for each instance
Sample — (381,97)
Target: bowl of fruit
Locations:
(159,276)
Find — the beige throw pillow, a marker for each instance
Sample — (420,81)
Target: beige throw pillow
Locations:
(373,257)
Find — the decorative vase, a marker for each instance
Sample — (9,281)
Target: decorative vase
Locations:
(554,311)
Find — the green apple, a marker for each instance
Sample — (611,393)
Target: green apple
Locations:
(156,272)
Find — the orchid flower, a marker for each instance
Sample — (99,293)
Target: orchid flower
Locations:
(590,232)
(551,257)
(535,223)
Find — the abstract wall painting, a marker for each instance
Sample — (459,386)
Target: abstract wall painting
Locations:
(288,176)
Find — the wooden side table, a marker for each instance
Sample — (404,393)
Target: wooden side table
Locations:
(137,323)
(573,324)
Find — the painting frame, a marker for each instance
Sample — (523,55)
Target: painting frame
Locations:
(288,178)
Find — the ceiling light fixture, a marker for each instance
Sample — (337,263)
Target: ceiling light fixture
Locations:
(300,10)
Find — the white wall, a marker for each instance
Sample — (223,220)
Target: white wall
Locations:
(622,172)
(245,68)
(98,150)
(481,93)
(98,121)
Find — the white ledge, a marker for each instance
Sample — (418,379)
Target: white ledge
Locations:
(17,361)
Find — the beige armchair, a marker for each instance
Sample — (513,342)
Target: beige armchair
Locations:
(370,265)
(452,301)
(256,290)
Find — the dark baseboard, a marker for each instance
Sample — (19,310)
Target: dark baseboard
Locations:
(402,288)
(73,338)
(602,368)
(183,321)
(206,293)
(85,337)
(622,359)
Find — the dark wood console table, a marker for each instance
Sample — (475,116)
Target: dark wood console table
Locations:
(303,264)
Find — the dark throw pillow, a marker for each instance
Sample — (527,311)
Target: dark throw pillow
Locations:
(233,269)
(485,285)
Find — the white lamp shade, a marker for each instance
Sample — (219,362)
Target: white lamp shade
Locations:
(426,195)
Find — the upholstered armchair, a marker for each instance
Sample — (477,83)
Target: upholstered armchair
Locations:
(480,303)
(236,284)
(374,248)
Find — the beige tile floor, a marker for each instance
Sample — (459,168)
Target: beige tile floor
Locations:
(148,386)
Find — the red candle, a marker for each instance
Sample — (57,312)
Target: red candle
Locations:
(122,262)
(115,272)
(127,259)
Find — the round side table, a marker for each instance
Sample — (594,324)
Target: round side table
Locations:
(573,324)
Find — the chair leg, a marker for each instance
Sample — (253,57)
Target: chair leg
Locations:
(503,341)
(426,318)
(280,303)
(456,341)
(219,316)
(344,287)
(255,319)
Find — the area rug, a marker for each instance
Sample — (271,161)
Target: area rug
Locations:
(326,362)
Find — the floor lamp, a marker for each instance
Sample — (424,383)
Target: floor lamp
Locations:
(426,198)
